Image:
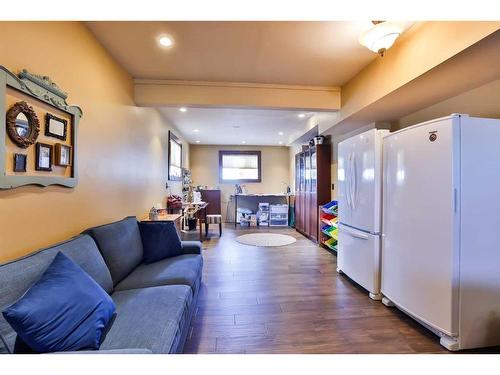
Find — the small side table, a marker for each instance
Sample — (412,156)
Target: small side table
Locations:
(176,218)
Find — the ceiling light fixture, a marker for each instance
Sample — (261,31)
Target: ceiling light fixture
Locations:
(196,130)
(381,36)
(165,41)
(197,141)
(183,109)
(243,142)
(280,142)
(301,115)
(280,133)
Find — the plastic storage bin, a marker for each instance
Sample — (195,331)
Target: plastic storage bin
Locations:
(278,216)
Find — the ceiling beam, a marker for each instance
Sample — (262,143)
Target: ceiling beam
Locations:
(433,61)
(232,94)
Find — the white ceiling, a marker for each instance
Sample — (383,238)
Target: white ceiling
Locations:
(297,53)
(229,126)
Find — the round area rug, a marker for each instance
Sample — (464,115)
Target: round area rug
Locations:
(266,239)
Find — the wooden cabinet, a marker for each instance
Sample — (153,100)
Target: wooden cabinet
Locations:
(312,187)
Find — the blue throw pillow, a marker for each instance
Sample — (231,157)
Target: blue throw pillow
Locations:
(65,310)
(159,241)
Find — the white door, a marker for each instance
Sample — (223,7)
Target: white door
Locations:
(419,260)
(359,178)
(359,257)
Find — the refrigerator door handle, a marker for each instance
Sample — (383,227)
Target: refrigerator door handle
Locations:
(455,200)
(354,181)
(361,236)
(351,158)
(347,185)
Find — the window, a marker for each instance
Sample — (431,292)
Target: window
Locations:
(174,157)
(239,166)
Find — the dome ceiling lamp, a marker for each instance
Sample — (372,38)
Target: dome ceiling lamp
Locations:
(381,36)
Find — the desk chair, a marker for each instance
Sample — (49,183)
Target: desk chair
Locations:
(214,212)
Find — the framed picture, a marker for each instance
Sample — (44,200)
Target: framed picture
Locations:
(63,155)
(55,127)
(43,157)
(20,163)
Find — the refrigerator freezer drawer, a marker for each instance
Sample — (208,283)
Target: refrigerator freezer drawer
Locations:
(359,257)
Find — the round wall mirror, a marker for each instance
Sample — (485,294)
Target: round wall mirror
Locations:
(22,124)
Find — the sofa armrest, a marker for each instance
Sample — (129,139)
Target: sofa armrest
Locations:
(109,351)
(191,247)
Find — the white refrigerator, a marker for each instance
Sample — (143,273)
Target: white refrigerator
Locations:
(441,226)
(359,215)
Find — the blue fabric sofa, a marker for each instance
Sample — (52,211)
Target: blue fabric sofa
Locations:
(154,302)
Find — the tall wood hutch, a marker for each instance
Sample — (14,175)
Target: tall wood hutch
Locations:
(312,187)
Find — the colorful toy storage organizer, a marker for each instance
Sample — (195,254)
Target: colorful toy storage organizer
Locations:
(329,226)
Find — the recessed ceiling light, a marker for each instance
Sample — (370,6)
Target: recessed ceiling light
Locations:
(196,130)
(197,141)
(183,109)
(280,133)
(302,115)
(165,41)
(280,142)
(243,142)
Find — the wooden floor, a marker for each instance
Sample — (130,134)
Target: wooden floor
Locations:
(290,299)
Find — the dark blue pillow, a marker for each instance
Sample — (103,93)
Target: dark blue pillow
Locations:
(159,241)
(65,310)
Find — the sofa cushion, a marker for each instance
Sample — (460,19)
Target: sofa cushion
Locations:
(191,247)
(149,318)
(121,246)
(160,240)
(183,269)
(17,276)
(64,310)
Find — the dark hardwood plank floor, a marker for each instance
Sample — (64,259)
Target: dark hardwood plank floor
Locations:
(291,300)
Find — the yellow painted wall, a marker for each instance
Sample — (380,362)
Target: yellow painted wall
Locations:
(292,151)
(423,47)
(204,161)
(482,101)
(122,148)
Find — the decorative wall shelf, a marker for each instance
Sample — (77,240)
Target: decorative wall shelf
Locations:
(36,121)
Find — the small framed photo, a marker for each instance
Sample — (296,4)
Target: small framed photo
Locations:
(20,162)
(55,127)
(63,155)
(43,157)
